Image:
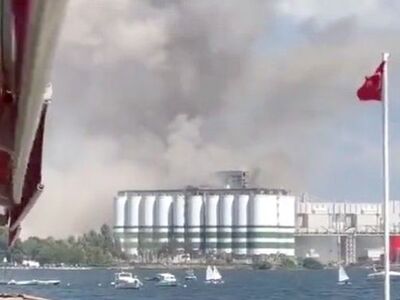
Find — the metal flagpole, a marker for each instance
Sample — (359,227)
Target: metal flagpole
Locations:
(385,98)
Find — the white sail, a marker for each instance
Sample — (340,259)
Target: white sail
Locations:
(209,274)
(342,274)
(216,274)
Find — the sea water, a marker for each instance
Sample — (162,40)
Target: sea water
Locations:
(239,284)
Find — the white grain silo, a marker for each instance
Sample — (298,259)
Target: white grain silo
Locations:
(132,224)
(146,221)
(224,243)
(194,221)
(211,223)
(178,221)
(260,210)
(265,234)
(286,224)
(163,219)
(119,218)
(239,229)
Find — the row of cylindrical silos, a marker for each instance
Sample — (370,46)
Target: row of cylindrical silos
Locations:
(226,222)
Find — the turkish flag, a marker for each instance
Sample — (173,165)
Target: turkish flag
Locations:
(372,87)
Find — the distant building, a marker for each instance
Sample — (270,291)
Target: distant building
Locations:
(30,264)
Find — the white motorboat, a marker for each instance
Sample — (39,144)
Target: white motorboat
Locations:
(34,282)
(381,275)
(189,275)
(343,278)
(48,282)
(213,276)
(125,280)
(166,279)
(22,282)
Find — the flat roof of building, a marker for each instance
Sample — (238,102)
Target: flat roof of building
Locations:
(200,190)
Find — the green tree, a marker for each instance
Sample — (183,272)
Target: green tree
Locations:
(312,263)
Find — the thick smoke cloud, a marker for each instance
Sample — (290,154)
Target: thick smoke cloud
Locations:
(151,94)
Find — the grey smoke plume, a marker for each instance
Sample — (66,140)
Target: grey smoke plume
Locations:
(151,94)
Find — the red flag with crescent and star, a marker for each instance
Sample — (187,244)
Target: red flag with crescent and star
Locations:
(372,87)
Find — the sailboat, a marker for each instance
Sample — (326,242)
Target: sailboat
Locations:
(343,278)
(209,274)
(213,275)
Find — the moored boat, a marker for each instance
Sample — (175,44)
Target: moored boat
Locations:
(166,279)
(125,280)
(34,282)
(189,275)
(381,275)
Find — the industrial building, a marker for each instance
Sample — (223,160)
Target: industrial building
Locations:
(343,231)
(239,221)
(248,222)
(233,221)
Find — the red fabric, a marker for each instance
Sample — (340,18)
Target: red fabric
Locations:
(21,10)
(5,167)
(372,87)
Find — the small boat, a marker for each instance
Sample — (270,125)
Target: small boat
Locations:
(213,276)
(33,282)
(22,282)
(48,282)
(166,279)
(343,278)
(381,275)
(125,280)
(189,275)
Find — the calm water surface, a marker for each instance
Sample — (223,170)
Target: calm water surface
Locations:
(239,284)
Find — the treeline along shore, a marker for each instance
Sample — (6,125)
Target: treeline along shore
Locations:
(101,249)
(94,248)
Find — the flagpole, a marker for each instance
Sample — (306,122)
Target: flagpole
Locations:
(385,98)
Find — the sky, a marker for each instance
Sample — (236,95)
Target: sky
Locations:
(160,94)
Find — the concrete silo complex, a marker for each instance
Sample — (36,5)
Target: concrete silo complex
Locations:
(237,221)
(220,221)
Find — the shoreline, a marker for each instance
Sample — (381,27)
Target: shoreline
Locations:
(155,266)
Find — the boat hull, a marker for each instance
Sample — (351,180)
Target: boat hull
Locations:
(33,282)
(188,278)
(166,284)
(133,285)
(215,282)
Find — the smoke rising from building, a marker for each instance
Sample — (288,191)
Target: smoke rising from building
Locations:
(161,94)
